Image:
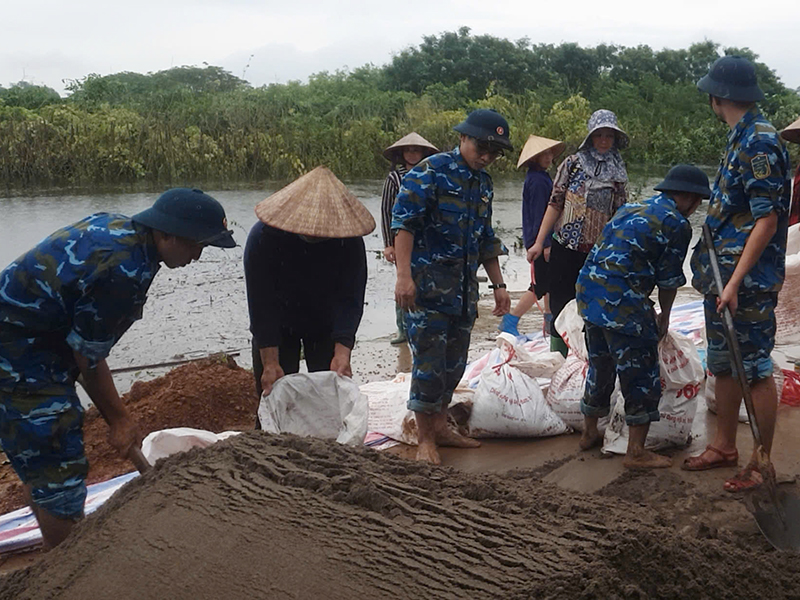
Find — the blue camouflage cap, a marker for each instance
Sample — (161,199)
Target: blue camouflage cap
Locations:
(685,178)
(190,214)
(486,125)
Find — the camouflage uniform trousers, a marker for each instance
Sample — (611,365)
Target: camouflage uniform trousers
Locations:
(635,361)
(439,344)
(755,327)
(42,436)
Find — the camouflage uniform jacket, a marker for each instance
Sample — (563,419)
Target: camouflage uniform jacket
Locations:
(753,180)
(448,208)
(642,246)
(80,289)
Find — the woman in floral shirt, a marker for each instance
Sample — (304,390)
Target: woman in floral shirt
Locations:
(589,188)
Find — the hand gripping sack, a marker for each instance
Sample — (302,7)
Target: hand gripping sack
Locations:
(569,325)
(321,404)
(681,381)
(509,403)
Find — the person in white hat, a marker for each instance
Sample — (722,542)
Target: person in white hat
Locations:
(404,155)
(590,186)
(538,155)
(305,269)
(792,134)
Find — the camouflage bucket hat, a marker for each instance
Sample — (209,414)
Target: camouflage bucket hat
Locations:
(605,119)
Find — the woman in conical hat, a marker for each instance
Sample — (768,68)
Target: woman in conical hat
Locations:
(404,154)
(792,134)
(537,154)
(305,268)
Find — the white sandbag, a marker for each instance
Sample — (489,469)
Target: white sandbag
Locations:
(680,364)
(165,442)
(569,325)
(388,412)
(566,392)
(540,366)
(509,403)
(788,308)
(321,404)
(681,381)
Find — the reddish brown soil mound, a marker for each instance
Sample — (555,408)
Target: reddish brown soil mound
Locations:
(214,394)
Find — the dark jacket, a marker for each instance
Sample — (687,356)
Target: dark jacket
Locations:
(303,288)
(535,197)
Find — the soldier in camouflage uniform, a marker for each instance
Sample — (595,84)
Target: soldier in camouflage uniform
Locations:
(443,223)
(643,246)
(748,217)
(63,306)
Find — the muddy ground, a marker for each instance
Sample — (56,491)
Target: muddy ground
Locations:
(262,516)
(512,519)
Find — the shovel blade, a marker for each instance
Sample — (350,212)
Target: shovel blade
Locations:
(779,524)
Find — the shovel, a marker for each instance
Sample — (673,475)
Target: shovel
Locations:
(135,454)
(777,513)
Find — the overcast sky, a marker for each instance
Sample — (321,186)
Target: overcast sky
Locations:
(48,41)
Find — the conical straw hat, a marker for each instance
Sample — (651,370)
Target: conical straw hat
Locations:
(319,205)
(792,132)
(412,139)
(536,145)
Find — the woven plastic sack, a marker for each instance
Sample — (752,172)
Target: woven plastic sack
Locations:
(569,325)
(321,404)
(681,381)
(788,309)
(509,403)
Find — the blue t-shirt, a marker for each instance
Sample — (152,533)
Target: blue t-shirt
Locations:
(78,290)
(448,208)
(754,180)
(641,247)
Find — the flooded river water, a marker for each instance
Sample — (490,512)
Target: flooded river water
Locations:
(202,308)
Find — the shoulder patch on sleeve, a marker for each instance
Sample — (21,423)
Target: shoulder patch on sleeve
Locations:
(760,165)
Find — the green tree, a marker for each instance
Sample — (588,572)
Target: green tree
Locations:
(28,95)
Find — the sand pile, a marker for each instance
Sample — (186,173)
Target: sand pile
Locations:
(262,516)
(214,394)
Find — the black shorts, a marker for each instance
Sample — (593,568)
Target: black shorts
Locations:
(541,270)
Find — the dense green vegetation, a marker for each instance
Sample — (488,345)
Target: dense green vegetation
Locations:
(195,124)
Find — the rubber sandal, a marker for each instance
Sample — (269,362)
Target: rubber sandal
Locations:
(698,463)
(742,481)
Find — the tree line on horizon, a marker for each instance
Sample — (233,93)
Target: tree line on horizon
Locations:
(204,124)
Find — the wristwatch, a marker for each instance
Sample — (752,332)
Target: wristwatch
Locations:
(497,286)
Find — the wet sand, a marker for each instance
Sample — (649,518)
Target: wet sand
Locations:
(262,516)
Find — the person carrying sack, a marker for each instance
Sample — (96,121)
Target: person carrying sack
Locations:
(305,268)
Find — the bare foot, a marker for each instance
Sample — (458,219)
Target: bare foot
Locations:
(645,459)
(449,437)
(426,452)
(590,440)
